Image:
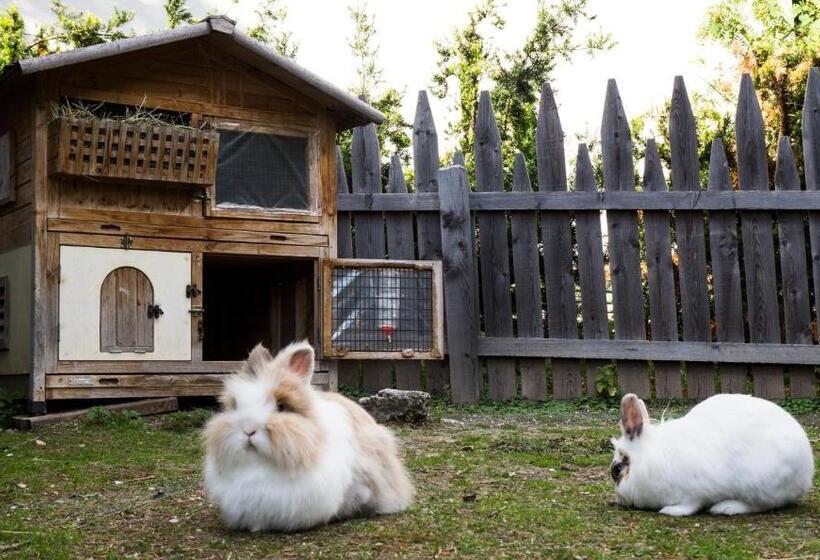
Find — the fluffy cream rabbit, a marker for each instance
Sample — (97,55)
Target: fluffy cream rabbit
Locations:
(733,454)
(283,456)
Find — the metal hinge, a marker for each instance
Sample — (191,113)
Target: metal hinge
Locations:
(191,291)
(197,311)
(203,196)
(126,241)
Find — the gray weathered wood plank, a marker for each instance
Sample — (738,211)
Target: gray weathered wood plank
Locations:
(811,164)
(758,240)
(660,277)
(556,235)
(494,252)
(527,276)
(690,237)
(460,285)
(683,351)
(580,201)
(369,239)
(595,323)
(624,257)
(401,246)
(428,230)
(348,371)
(723,245)
(794,273)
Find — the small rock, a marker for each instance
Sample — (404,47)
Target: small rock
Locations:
(395,405)
(21,485)
(118,483)
(173,520)
(452,422)
(40,442)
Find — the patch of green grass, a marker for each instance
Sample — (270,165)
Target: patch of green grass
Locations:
(523,480)
(10,405)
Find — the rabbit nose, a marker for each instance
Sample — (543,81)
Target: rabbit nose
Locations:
(250,433)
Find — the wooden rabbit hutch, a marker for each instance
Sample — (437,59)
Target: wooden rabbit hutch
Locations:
(148,241)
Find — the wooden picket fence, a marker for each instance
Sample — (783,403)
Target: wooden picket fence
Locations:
(728,309)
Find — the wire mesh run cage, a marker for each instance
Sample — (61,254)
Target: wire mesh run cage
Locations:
(382,309)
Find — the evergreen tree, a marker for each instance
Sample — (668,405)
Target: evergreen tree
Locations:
(178,13)
(270,28)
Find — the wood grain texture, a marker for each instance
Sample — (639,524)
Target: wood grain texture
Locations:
(527,276)
(348,371)
(556,234)
(494,252)
(369,239)
(428,228)
(401,245)
(580,201)
(794,273)
(723,245)
(624,256)
(591,277)
(660,277)
(811,164)
(690,237)
(460,285)
(758,240)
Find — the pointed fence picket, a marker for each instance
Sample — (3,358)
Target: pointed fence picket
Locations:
(717,306)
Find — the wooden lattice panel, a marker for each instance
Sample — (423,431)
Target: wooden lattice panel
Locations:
(4,312)
(130,151)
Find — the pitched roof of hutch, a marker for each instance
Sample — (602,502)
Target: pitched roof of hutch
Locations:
(350,111)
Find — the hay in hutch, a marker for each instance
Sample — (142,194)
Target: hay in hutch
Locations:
(168,201)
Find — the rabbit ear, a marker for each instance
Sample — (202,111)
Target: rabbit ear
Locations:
(633,415)
(257,361)
(298,358)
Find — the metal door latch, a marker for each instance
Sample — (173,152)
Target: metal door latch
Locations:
(155,311)
(191,291)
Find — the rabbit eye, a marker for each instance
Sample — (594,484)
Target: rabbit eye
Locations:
(282,406)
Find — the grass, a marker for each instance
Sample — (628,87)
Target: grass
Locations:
(493,481)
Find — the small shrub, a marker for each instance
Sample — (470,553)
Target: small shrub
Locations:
(10,406)
(606,382)
(183,421)
(107,418)
(802,406)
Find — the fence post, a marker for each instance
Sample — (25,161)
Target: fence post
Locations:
(425,169)
(723,244)
(524,227)
(796,303)
(495,258)
(460,289)
(348,370)
(758,239)
(691,246)
(590,266)
(624,256)
(556,234)
(400,246)
(369,240)
(660,277)
(811,162)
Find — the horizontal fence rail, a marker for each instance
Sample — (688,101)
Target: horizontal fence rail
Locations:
(572,201)
(683,289)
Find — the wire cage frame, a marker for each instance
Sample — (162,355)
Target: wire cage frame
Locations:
(382,309)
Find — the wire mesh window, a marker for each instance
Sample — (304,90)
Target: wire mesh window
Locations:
(261,171)
(383,309)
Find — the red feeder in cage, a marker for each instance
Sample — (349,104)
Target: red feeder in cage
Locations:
(388,330)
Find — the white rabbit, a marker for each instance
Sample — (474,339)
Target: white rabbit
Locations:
(283,456)
(734,454)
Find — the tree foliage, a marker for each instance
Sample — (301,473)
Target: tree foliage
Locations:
(393,133)
(470,57)
(72,29)
(270,28)
(178,13)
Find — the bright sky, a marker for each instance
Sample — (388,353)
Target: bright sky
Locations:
(656,40)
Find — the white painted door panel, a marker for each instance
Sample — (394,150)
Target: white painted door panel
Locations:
(82,271)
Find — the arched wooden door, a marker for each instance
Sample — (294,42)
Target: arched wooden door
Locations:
(125,325)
